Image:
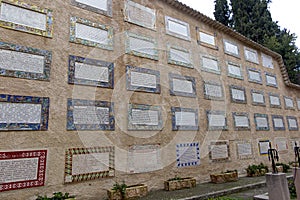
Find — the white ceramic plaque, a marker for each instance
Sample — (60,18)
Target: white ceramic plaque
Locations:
(238,94)
(144,117)
(234,70)
(185,119)
(213,90)
(142,46)
(258,97)
(251,55)
(18,61)
(177,27)
(22,16)
(182,86)
(92,34)
(216,120)
(231,48)
(18,170)
(281,144)
(271,80)
(188,155)
(207,38)
(180,56)
(274,100)
(262,122)
(210,64)
(263,147)
(298,103)
(254,76)
(90,115)
(99,4)
(293,123)
(278,123)
(143,79)
(267,61)
(91,72)
(20,113)
(219,152)
(90,163)
(241,121)
(288,102)
(244,149)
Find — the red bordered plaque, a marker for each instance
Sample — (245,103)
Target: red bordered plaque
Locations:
(22,169)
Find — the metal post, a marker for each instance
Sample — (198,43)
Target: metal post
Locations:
(273,155)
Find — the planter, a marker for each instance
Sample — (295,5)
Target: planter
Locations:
(132,192)
(258,172)
(180,184)
(224,177)
(279,168)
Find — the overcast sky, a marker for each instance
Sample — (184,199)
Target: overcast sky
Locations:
(286,12)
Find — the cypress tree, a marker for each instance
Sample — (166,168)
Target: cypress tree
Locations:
(222,12)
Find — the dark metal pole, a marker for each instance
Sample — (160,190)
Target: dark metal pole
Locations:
(297,156)
(273,155)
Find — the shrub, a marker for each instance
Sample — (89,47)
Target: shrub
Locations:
(56,196)
(284,166)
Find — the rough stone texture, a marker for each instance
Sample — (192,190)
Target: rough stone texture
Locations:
(296,173)
(277,186)
(57,139)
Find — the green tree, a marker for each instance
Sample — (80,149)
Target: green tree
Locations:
(222,12)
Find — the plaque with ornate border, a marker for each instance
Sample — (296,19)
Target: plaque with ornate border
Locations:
(210,97)
(220,143)
(48,32)
(286,98)
(71,125)
(288,118)
(249,70)
(188,154)
(183,78)
(85,22)
(177,62)
(212,128)
(107,12)
(39,157)
(182,23)
(176,127)
(256,103)
(241,114)
(237,76)
(234,100)
(45,76)
(257,115)
(204,43)
(244,155)
(271,84)
(249,59)
(144,88)
(206,69)
(281,144)
(274,117)
(80,81)
(263,146)
(143,126)
(229,52)
(70,177)
(43,101)
(273,105)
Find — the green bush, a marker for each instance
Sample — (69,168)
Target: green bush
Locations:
(292,189)
(284,166)
(254,169)
(56,196)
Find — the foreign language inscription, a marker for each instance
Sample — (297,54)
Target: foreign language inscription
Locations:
(263,146)
(219,151)
(216,120)
(188,154)
(244,150)
(261,121)
(213,91)
(144,117)
(91,72)
(241,121)
(90,115)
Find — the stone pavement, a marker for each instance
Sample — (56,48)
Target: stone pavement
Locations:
(244,188)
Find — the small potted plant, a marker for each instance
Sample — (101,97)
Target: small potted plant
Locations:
(223,177)
(57,196)
(178,183)
(123,191)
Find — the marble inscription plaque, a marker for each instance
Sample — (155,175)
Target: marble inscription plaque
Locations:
(144,158)
(180,57)
(180,85)
(241,121)
(298,104)
(84,164)
(274,100)
(271,80)
(91,72)
(90,115)
(231,48)
(238,94)
(278,122)
(261,122)
(213,91)
(188,154)
(292,123)
(90,33)
(263,146)
(99,4)
(267,61)
(216,120)
(177,28)
(234,70)
(22,16)
(22,169)
(207,38)
(140,15)
(258,98)
(210,64)
(288,102)
(143,80)
(185,119)
(254,75)
(219,151)
(244,150)
(281,144)
(251,55)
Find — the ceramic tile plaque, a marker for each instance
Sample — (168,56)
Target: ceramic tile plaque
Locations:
(98,6)
(144,117)
(241,121)
(27,18)
(263,147)
(142,46)
(177,28)
(216,120)
(210,64)
(142,79)
(206,38)
(254,75)
(288,102)
(298,103)
(144,158)
(281,144)
(188,154)
(292,123)
(23,113)
(219,151)
(258,98)
(251,55)
(182,85)
(238,94)
(87,71)
(24,62)
(274,100)
(179,56)
(213,91)
(271,79)
(140,15)
(261,122)
(83,164)
(267,61)
(278,123)
(22,169)
(244,149)
(90,115)
(234,70)
(231,48)
(184,119)
(85,32)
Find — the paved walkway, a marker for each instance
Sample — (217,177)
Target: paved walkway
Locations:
(244,188)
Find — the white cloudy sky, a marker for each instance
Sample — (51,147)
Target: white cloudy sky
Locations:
(286,12)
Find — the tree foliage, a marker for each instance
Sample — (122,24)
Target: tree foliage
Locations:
(253,19)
